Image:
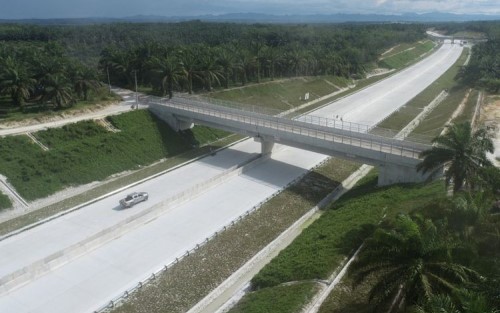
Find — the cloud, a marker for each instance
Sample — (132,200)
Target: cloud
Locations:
(121,8)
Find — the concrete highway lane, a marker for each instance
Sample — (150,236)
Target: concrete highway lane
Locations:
(92,279)
(374,103)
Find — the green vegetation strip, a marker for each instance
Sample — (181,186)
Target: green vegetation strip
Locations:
(410,54)
(287,298)
(322,247)
(470,107)
(5,202)
(284,94)
(187,282)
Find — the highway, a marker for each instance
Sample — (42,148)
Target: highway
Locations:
(85,282)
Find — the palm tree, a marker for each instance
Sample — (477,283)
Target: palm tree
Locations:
(59,91)
(272,57)
(468,302)
(437,304)
(410,263)
(462,151)
(472,302)
(120,64)
(246,63)
(169,70)
(190,64)
(16,81)
(85,80)
(209,70)
(226,59)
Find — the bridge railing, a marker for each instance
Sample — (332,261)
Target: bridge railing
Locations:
(283,127)
(316,120)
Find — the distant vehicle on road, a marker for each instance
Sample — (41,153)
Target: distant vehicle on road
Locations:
(133,198)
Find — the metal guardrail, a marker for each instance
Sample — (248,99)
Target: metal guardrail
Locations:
(126,294)
(318,128)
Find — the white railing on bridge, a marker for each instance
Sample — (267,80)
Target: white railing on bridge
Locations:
(317,128)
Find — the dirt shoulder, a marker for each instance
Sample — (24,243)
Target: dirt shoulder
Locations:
(57,120)
(490,117)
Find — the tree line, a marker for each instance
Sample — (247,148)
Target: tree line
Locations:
(483,70)
(41,74)
(188,56)
(251,53)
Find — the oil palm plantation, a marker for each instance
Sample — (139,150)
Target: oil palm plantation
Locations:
(209,70)
(16,81)
(59,91)
(85,81)
(227,61)
(169,70)
(410,263)
(462,151)
(190,64)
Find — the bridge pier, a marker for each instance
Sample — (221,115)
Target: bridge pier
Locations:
(390,173)
(266,145)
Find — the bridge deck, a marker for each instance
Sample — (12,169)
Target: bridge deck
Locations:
(325,136)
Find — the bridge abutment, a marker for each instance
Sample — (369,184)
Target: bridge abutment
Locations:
(173,121)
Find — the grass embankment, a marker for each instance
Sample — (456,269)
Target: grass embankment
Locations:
(405,54)
(289,298)
(85,152)
(284,94)
(322,247)
(113,184)
(434,123)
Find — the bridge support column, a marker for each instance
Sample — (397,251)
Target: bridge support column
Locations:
(393,174)
(266,145)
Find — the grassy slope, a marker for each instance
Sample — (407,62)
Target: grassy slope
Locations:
(282,95)
(400,57)
(84,152)
(321,247)
(280,299)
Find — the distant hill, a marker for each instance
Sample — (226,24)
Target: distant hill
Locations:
(267,18)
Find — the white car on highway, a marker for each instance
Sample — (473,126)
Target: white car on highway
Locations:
(134,198)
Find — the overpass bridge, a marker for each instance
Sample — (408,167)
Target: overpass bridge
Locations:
(396,159)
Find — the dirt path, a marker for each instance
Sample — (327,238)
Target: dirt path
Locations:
(490,117)
(36,124)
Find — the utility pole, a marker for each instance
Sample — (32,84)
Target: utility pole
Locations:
(136,96)
(109,81)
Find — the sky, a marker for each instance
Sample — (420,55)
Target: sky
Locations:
(20,9)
